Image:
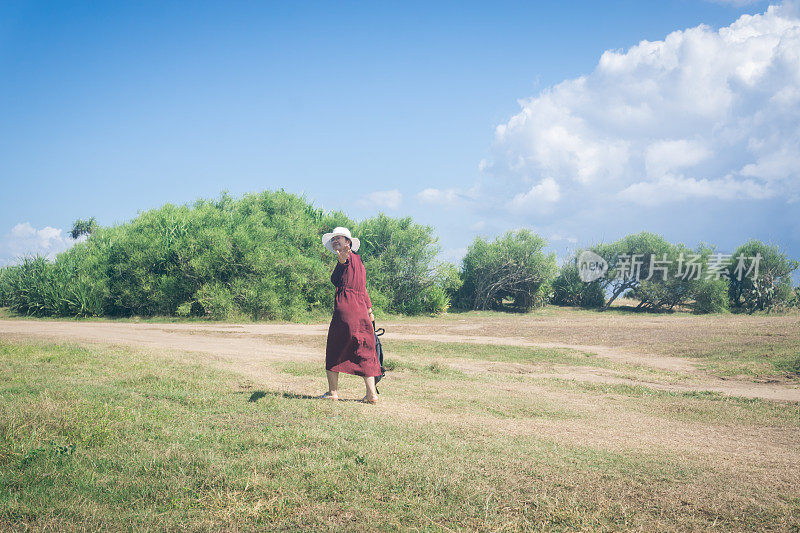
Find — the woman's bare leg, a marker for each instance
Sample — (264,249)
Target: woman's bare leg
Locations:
(333,384)
(372,394)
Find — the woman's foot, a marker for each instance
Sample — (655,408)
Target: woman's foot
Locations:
(328,396)
(369,399)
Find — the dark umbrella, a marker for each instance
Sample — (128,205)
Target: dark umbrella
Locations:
(379,349)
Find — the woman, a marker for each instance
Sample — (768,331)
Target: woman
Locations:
(351,335)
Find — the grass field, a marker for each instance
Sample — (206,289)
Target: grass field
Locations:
(467,436)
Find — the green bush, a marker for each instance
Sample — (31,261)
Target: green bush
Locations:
(771,288)
(399,258)
(435,300)
(513,268)
(623,278)
(5,286)
(38,287)
(711,297)
(216,300)
(259,256)
(448,278)
(569,289)
(669,275)
(683,288)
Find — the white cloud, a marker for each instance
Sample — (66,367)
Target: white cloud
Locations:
(438,196)
(24,239)
(669,188)
(538,197)
(559,237)
(545,138)
(388,199)
(666,155)
(702,114)
(778,165)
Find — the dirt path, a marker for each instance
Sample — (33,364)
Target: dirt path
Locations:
(249,343)
(674,364)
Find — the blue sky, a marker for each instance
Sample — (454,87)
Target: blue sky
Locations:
(473,117)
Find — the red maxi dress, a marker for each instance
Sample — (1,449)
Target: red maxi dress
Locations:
(351,337)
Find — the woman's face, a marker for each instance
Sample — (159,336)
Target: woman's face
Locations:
(339,242)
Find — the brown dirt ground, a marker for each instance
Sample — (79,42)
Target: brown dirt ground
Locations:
(249,342)
(755,454)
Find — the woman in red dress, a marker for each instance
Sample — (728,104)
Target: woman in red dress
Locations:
(351,335)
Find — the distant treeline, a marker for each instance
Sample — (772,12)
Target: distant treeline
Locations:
(260,256)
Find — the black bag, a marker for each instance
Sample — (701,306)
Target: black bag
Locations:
(379,349)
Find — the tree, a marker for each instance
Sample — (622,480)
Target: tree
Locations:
(686,280)
(770,286)
(630,260)
(83,227)
(399,258)
(662,275)
(513,267)
(570,289)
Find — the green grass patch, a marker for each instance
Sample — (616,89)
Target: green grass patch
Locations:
(297,368)
(760,354)
(428,352)
(494,352)
(696,406)
(99,438)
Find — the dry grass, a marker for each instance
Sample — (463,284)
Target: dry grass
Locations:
(467,436)
(124,439)
(753,346)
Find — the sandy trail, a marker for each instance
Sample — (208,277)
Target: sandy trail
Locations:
(615,354)
(249,343)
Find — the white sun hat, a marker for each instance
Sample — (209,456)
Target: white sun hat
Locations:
(326,239)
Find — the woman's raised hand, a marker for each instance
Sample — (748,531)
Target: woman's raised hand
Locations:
(344,253)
